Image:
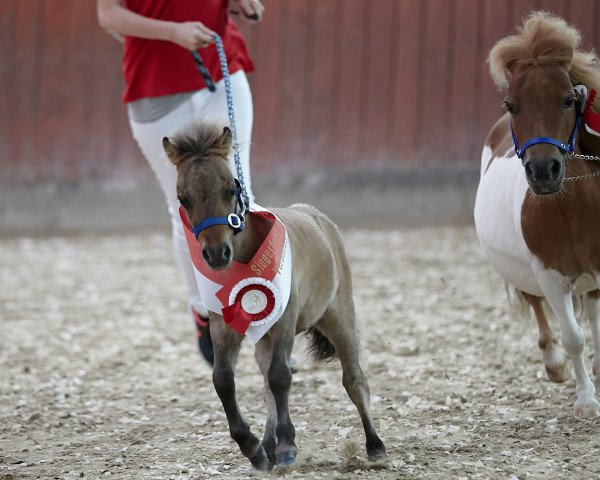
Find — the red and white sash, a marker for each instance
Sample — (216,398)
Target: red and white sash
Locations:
(253,296)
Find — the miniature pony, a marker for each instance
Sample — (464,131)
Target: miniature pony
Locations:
(537,209)
(320,301)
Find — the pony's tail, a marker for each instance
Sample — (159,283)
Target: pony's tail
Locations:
(518,306)
(320,346)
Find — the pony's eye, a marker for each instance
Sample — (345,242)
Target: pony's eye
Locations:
(184,201)
(510,108)
(232,193)
(569,102)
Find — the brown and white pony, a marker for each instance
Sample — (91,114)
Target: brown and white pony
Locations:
(538,224)
(320,299)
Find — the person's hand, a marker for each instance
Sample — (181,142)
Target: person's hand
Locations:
(191,35)
(248,10)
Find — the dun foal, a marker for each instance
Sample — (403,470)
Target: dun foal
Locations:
(320,301)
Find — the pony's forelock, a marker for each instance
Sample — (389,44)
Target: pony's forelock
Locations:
(544,38)
(198,140)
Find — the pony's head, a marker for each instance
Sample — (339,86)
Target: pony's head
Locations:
(539,69)
(206,188)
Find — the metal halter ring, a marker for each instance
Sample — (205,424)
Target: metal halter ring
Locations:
(235,221)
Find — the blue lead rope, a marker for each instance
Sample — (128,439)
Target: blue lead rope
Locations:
(231,114)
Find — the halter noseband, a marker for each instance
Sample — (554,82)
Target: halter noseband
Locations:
(565,147)
(235,220)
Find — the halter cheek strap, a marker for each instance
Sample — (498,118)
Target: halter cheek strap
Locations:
(565,147)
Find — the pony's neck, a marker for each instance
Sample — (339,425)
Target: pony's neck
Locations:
(248,241)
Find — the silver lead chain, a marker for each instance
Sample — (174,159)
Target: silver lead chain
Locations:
(584,157)
(589,158)
(231,114)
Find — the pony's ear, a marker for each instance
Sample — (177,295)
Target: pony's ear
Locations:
(171,151)
(226,138)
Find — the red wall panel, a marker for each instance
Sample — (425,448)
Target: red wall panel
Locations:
(339,83)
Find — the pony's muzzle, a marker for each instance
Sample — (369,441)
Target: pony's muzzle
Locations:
(218,257)
(545,174)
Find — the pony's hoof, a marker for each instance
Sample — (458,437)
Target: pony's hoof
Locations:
(378,457)
(587,408)
(260,461)
(286,459)
(559,371)
(376,450)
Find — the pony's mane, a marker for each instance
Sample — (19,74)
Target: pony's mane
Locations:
(545,38)
(199,140)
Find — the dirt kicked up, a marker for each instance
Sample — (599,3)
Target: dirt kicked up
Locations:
(99,374)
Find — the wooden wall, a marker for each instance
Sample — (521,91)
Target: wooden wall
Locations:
(339,84)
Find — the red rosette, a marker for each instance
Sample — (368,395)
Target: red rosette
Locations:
(254,302)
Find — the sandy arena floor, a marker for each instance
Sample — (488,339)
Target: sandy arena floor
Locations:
(99,374)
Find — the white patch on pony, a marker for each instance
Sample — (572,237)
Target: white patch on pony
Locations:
(498,205)
(486,156)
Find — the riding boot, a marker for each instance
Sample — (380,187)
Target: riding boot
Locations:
(204,341)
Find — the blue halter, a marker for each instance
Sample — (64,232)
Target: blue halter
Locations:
(565,147)
(235,220)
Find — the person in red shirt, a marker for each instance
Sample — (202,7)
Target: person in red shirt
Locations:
(165,91)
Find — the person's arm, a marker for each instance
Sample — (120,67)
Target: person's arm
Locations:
(251,10)
(114,17)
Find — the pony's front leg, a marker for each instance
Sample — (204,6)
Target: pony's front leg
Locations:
(592,313)
(555,360)
(556,290)
(263,355)
(280,381)
(226,343)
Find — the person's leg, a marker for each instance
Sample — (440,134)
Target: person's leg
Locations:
(202,106)
(149,137)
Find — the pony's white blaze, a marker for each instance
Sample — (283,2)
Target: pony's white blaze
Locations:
(500,196)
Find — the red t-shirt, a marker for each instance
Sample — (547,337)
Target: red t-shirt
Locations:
(153,68)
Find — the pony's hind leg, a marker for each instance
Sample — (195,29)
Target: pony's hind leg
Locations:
(227,344)
(341,331)
(592,312)
(555,360)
